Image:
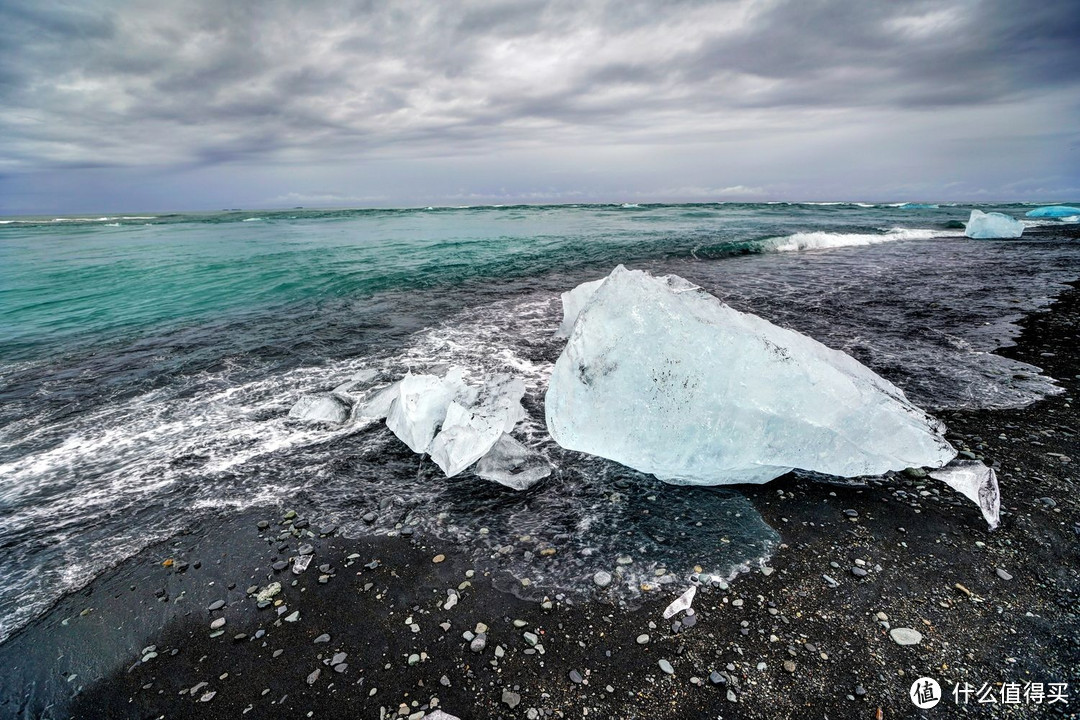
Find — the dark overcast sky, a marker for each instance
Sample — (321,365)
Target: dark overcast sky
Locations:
(151,105)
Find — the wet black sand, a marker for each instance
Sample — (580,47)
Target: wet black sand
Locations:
(930,565)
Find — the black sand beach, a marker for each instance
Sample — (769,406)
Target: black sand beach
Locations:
(374,636)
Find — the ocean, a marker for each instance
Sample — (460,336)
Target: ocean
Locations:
(148,362)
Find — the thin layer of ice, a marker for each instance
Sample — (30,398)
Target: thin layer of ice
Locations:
(975,481)
(987,226)
(320,409)
(512,464)
(662,377)
(572,302)
(1054,211)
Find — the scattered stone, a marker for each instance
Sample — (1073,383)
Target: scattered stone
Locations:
(789,665)
(1003,574)
(575,677)
(717,678)
(852,513)
(218,623)
(369,517)
(293,616)
(313,676)
(666,667)
(438,558)
(643,639)
(478,643)
(324,638)
(531,638)
(905,636)
(263,524)
(511,699)
(216,605)
(858,571)
(602,578)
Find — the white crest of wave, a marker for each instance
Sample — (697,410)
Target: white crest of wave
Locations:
(826,240)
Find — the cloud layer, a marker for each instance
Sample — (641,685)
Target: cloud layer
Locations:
(574,99)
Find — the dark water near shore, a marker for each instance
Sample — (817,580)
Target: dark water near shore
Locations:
(148,364)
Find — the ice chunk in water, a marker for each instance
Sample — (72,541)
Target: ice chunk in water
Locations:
(573,301)
(421,405)
(985,226)
(683,602)
(662,377)
(975,481)
(1054,211)
(320,409)
(512,464)
(469,432)
(376,404)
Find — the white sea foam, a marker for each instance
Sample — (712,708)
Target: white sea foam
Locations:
(826,240)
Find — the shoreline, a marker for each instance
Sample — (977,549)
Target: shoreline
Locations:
(832,654)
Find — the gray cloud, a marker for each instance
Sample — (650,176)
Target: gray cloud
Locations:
(283,85)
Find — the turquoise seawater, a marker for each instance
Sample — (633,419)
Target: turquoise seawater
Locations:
(148,362)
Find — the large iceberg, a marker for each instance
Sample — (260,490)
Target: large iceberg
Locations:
(572,302)
(663,377)
(984,226)
(1054,211)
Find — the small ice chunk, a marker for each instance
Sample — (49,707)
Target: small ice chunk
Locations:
(1054,211)
(975,481)
(985,226)
(512,464)
(375,405)
(468,433)
(363,376)
(320,409)
(683,602)
(663,377)
(421,405)
(572,303)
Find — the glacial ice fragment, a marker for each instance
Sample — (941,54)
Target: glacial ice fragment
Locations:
(985,226)
(1054,211)
(512,464)
(572,302)
(975,481)
(320,409)
(469,432)
(421,405)
(662,377)
(375,404)
(683,602)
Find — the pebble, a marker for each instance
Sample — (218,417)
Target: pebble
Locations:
(512,699)
(219,623)
(306,549)
(1003,574)
(531,638)
(575,677)
(216,605)
(328,530)
(643,639)
(602,578)
(478,643)
(438,558)
(314,676)
(852,513)
(263,524)
(293,616)
(324,638)
(666,667)
(905,636)
(858,572)
(369,517)
(789,665)
(716,678)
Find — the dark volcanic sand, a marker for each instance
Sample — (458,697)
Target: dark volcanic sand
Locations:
(917,549)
